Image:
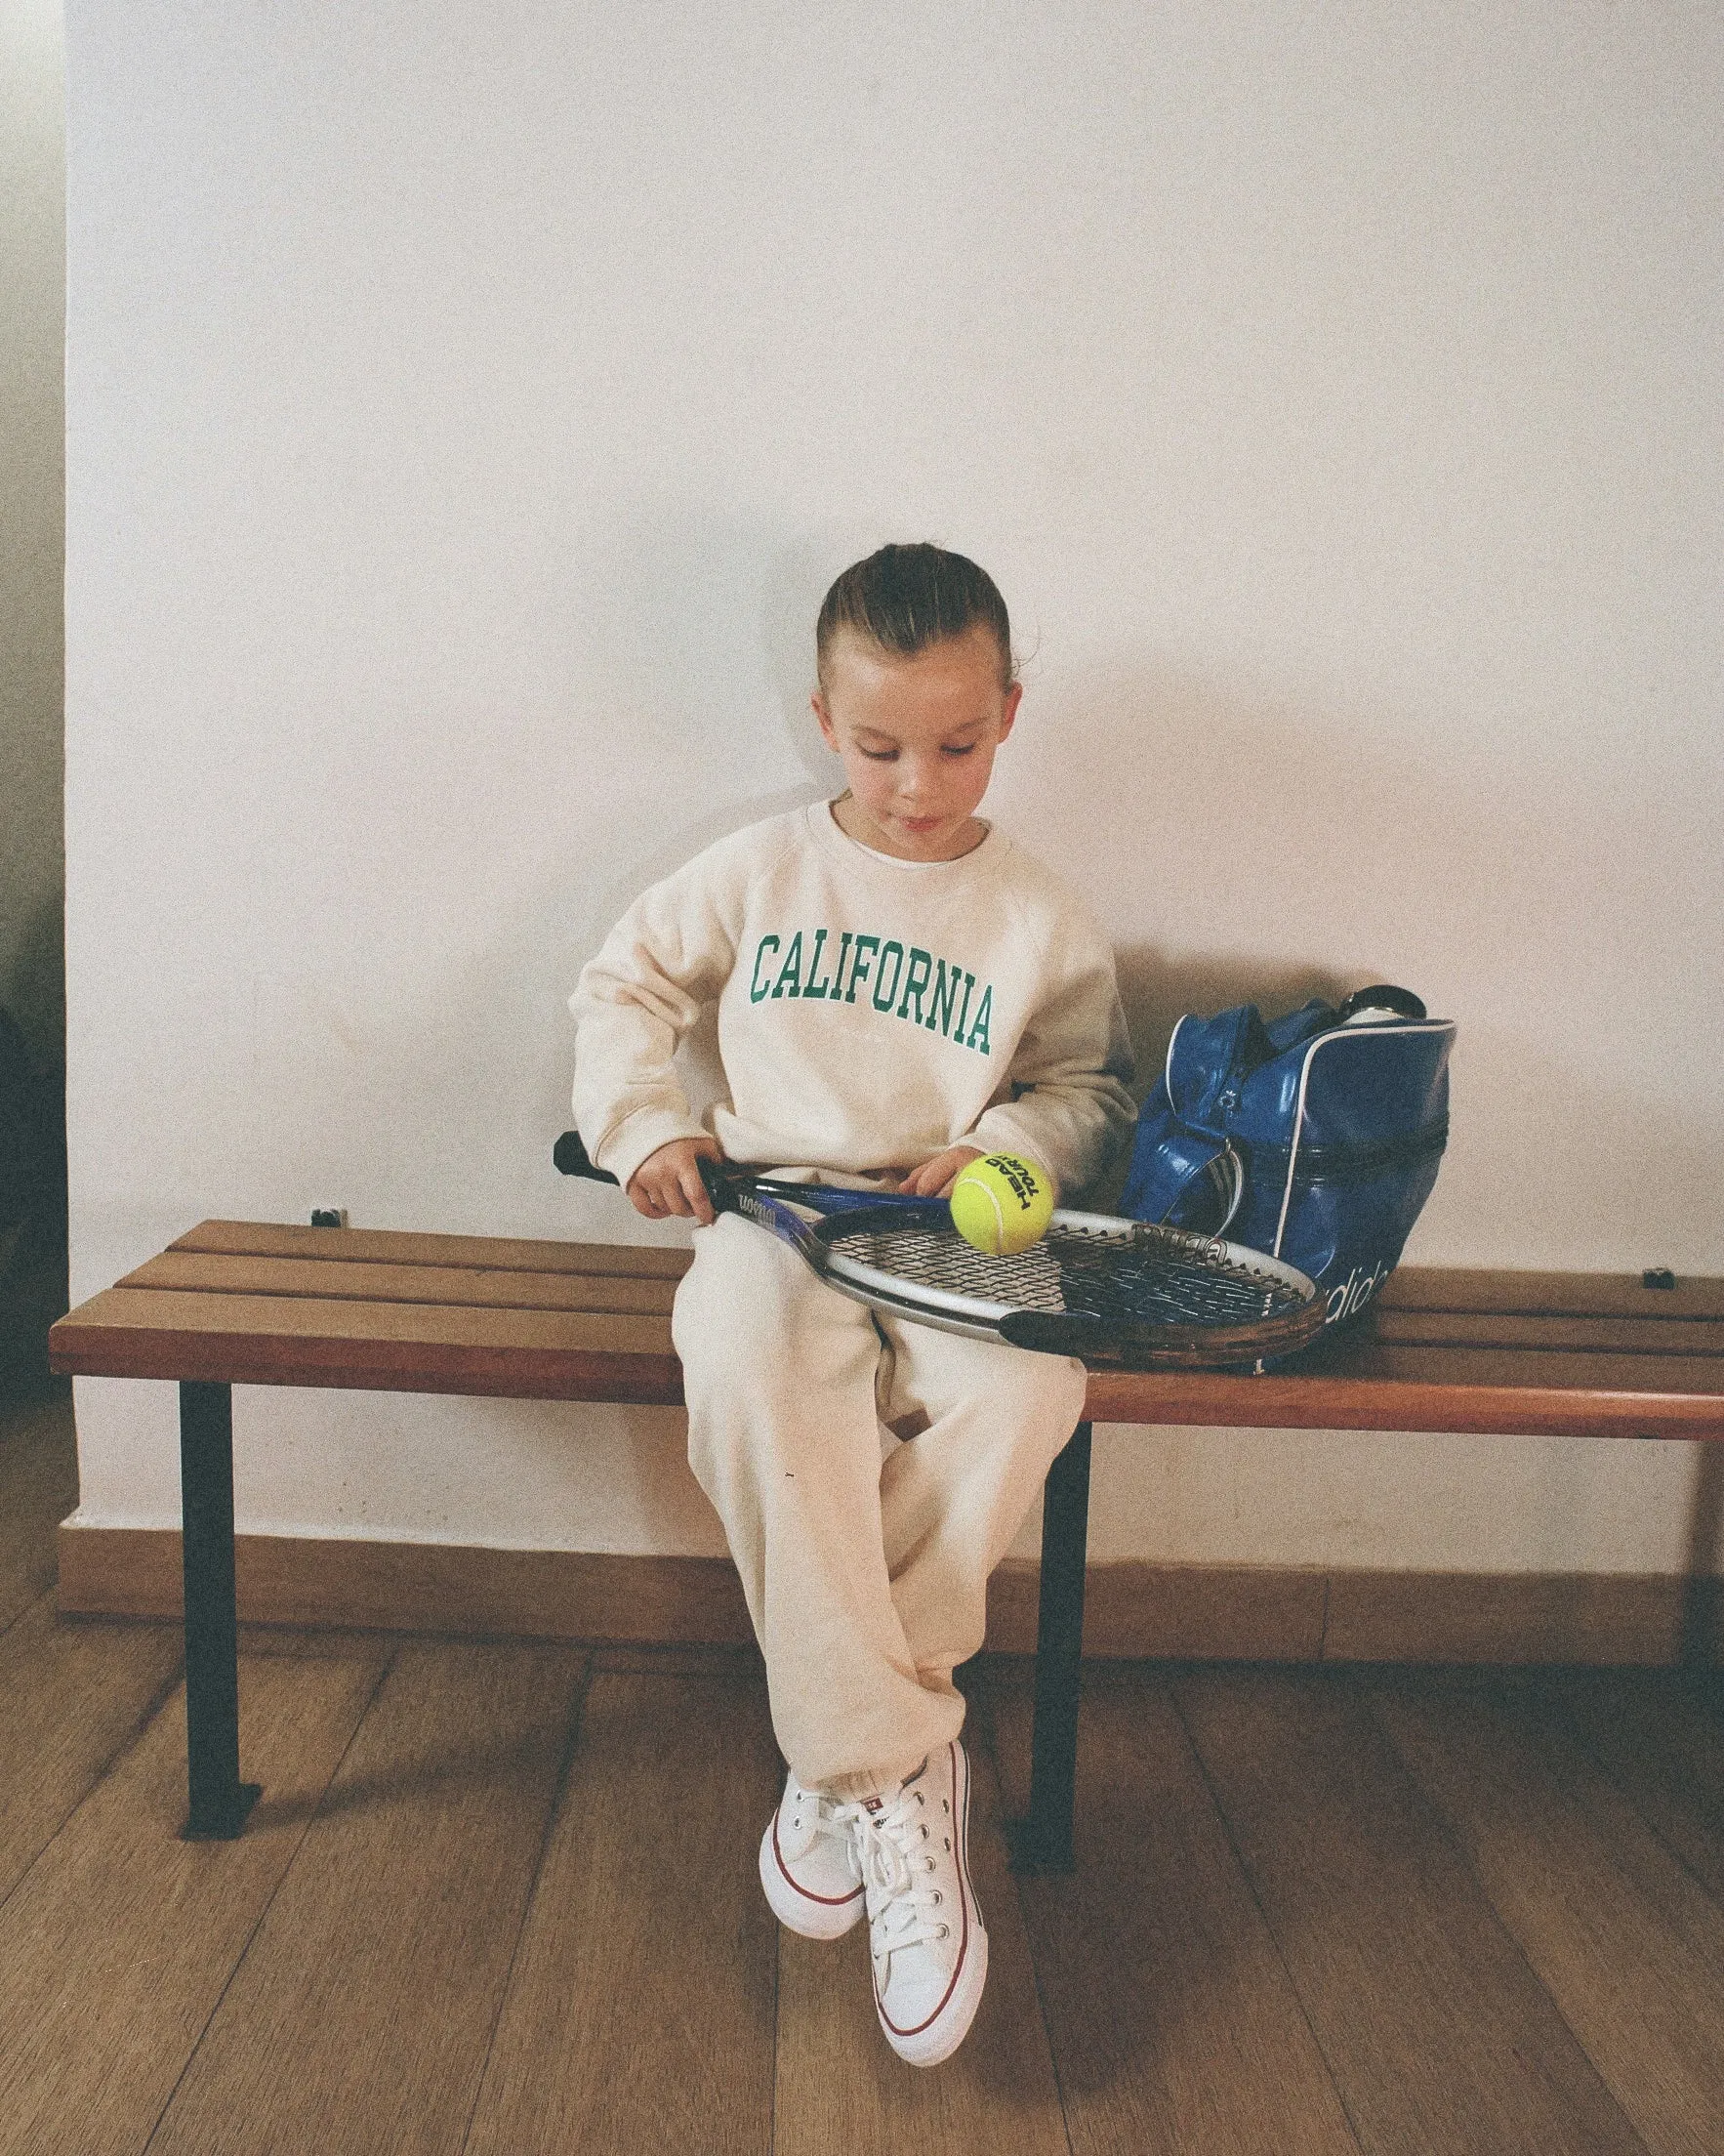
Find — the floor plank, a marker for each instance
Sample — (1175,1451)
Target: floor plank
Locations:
(1662,1747)
(73,1695)
(841,2089)
(360,2016)
(1175,2023)
(639,2010)
(115,1946)
(1438,2035)
(624,1660)
(1628,1944)
(313,1642)
(38,1487)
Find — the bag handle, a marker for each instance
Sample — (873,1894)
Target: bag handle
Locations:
(1235,1172)
(1224,1168)
(1380,1001)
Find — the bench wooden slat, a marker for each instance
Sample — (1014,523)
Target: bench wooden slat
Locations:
(1579,1371)
(394,1246)
(1493,1395)
(331,1279)
(1549,1294)
(386,1346)
(1635,1336)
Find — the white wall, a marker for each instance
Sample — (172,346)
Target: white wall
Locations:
(33,305)
(467,407)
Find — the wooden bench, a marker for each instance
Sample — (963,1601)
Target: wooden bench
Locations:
(233,1303)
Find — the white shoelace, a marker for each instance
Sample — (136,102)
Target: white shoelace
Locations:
(831,1814)
(889,1848)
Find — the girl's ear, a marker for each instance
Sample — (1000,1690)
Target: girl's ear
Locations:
(1014,697)
(828,732)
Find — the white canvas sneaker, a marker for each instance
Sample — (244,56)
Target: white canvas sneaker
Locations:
(809,1864)
(925,1934)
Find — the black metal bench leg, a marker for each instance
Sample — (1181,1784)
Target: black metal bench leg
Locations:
(1042,1842)
(220,1799)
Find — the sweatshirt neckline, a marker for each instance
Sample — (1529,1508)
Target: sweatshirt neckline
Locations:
(832,839)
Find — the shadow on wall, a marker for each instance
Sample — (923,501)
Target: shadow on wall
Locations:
(33,989)
(1157,991)
(1272,847)
(32,1207)
(1277,845)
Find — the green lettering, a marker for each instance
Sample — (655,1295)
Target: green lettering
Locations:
(979,1031)
(815,986)
(789,979)
(757,991)
(941,998)
(895,951)
(915,982)
(844,952)
(859,970)
(970,981)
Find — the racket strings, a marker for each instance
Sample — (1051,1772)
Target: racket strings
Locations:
(941,1259)
(1114,1281)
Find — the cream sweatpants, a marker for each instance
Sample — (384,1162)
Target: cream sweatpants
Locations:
(867,1582)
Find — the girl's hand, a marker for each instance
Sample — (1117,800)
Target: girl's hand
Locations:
(934,1178)
(667,1184)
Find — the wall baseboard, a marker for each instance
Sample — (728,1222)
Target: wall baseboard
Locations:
(416,1587)
(1196,1612)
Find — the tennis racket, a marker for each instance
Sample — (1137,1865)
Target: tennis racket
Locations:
(1106,1290)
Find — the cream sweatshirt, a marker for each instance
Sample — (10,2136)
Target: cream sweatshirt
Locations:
(871,1011)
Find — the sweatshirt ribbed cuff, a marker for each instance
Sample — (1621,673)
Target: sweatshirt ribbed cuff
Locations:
(637,1137)
(1001,1132)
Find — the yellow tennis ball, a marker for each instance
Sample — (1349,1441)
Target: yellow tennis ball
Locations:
(1002,1204)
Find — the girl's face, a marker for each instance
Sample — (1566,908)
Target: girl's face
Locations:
(918,737)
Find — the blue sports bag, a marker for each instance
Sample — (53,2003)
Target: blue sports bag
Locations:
(1315,1137)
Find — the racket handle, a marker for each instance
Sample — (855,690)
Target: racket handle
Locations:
(571,1159)
(1055,1333)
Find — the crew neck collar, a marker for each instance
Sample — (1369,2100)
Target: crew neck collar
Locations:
(830,833)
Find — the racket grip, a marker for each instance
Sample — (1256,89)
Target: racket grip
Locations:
(571,1159)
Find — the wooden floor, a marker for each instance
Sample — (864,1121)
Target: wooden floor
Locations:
(501,1897)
